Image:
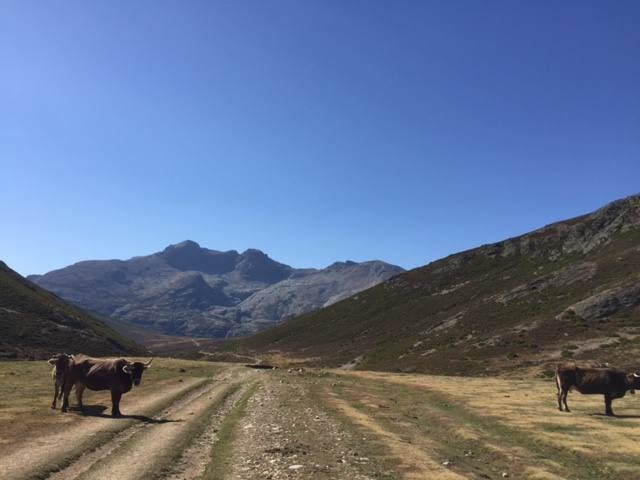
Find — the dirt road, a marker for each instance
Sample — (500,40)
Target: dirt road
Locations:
(225,421)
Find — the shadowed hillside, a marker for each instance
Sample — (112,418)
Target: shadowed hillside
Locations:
(35,323)
(570,290)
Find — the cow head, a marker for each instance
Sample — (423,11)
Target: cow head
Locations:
(633,379)
(135,369)
(61,362)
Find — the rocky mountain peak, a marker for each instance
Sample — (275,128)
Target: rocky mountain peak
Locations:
(254,253)
(255,265)
(186,288)
(188,255)
(341,265)
(184,245)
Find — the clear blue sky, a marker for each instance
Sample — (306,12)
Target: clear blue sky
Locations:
(313,130)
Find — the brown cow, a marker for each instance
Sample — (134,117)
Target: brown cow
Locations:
(60,363)
(609,382)
(117,375)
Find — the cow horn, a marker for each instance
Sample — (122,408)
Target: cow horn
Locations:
(126,368)
(636,375)
(148,364)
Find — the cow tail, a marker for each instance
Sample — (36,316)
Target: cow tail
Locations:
(558,378)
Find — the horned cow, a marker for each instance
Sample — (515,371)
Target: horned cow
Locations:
(60,363)
(610,382)
(117,375)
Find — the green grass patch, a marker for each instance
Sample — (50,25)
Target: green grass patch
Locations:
(219,466)
(198,427)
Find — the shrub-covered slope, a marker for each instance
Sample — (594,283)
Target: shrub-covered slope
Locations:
(570,290)
(35,323)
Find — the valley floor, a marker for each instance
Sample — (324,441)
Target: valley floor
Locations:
(224,421)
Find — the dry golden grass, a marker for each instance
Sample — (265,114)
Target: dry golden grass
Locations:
(414,461)
(529,407)
(416,426)
(26,392)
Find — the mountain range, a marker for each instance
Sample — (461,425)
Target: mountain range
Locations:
(567,291)
(190,290)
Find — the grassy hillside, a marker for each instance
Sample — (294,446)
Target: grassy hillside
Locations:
(35,323)
(570,290)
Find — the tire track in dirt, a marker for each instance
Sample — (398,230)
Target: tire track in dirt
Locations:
(513,425)
(47,452)
(85,462)
(435,427)
(415,463)
(195,458)
(145,453)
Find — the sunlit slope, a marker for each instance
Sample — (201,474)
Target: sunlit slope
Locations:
(568,290)
(35,323)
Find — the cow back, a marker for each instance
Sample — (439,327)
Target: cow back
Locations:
(102,374)
(594,380)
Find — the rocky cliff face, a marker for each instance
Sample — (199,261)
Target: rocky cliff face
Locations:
(187,289)
(307,291)
(578,235)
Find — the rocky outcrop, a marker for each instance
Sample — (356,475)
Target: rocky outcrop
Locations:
(599,227)
(606,303)
(578,235)
(565,276)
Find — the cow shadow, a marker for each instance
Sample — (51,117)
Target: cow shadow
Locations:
(602,415)
(102,411)
(145,419)
(89,410)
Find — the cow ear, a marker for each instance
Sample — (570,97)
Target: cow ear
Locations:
(126,368)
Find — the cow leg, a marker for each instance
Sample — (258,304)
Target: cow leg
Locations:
(115,403)
(67,386)
(56,390)
(79,391)
(565,392)
(607,405)
(559,399)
